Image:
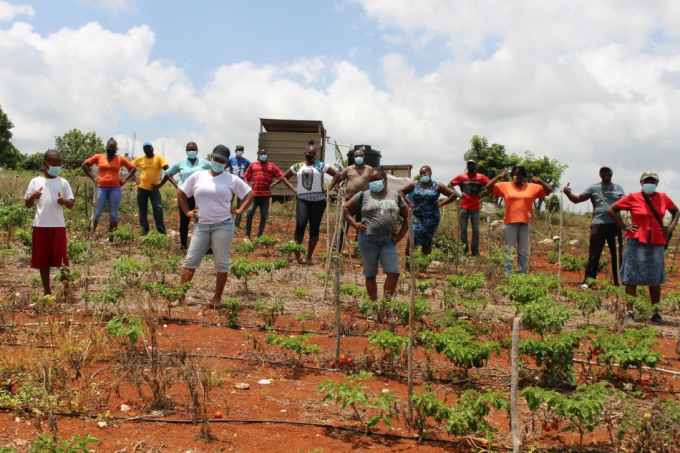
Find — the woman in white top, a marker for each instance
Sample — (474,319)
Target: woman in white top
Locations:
(213,215)
(311,198)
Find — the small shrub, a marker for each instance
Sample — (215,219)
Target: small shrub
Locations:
(232,311)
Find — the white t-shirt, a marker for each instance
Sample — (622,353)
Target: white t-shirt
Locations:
(49,213)
(214,194)
(310,180)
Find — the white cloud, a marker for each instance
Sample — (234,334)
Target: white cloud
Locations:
(114,7)
(9,11)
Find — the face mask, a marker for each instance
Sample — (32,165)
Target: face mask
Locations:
(192,154)
(239,153)
(649,188)
(425,179)
(217,167)
(309,157)
(376,186)
(148,153)
(263,157)
(53,171)
(359,160)
(111,150)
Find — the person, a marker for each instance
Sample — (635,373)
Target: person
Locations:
(185,168)
(425,205)
(238,165)
(519,199)
(311,198)
(151,166)
(356,176)
(51,195)
(213,189)
(377,231)
(471,183)
(646,240)
(109,184)
(602,229)
(261,173)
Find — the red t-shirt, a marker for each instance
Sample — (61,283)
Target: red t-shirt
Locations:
(470,188)
(643,216)
(108,171)
(262,174)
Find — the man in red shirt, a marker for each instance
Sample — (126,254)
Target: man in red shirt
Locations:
(261,173)
(471,185)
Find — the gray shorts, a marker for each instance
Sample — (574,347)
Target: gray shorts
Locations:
(217,235)
(376,249)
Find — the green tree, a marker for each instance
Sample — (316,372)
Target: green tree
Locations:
(10,157)
(549,170)
(75,144)
(34,162)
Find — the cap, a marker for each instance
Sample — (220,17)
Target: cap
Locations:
(147,144)
(310,142)
(605,166)
(649,174)
(222,152)
(470,160)
(239,148)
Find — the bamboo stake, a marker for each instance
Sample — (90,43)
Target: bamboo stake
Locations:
(336,262)
(412,323)
(132,218)
(89,244)
(514,378)
(559,256)
(328,257)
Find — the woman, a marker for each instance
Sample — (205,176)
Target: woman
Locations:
(643,261)
(519,199)
(311,198)
(214,216)
(185,168)
(425,205)
(109,184)
(378,235)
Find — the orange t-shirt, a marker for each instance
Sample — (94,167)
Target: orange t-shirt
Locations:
(518,202)
(108,171)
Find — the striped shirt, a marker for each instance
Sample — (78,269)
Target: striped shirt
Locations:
(262,174)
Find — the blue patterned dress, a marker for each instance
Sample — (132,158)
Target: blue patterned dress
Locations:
(425,213)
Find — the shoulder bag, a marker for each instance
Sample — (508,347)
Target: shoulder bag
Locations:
(658,219)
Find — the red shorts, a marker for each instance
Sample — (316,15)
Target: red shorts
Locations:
(49,247)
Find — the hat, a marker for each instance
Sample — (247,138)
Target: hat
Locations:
(222,152)
(649,174)
(605,166)
(239,148)
(310,142)
(147,144)
(470,160)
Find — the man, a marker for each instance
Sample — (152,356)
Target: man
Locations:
(261,173)
(356,176)
(151,166)
(238,165)
(471,185)
(602,229)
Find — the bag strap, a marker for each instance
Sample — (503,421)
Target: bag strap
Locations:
(656,214)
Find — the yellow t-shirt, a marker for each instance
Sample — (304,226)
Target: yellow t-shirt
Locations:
(150,169)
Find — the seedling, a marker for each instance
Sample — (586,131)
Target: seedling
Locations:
(231,305)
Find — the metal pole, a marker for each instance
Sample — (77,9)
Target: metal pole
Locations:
(412,323)
(514,378)
(559,256)
(336,262)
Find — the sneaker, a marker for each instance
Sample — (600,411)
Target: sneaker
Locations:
(246,239)
(584,286)
(656,318)
(630,317)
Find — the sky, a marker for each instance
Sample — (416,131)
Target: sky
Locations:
(585,82)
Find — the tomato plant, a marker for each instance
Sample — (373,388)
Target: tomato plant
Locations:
(126,328)
(426,404)
(556,354)
(389,343)
(634,348)
(268,242)
(269,311)
(545,315)
(467,283)
(470,411)
(657,430)
(231,305)
(459,346)
(245,270)
(291,247)
(295,343)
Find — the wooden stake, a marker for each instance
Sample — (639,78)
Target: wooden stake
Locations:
(559,255)
(336,263)
(488,224)
(328,257)
(412,321)
(89,244)
(514,379)
(531,229)
(132,218)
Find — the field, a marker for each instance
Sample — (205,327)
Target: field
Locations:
(115,359)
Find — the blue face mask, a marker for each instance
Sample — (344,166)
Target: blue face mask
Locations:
(376,186)
(425,179)
(192,154)
(53,171)
(217,167)
(649,188)
(359,160)
(263,157)
(239,153)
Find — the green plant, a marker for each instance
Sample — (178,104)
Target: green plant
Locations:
(268,311)
(556,354)
(545,315)
(232,311)
(655,430)
(389,343)
(353,394)
(297,344)
(291,247)
(131,270)
(244,248)
(402,309)
(422,261)
(467,283)
(426,404)
(122,235)
(126,328)
(25,237)
(16,212)
(46,443)
(634,348)
(280,263)
(268,242)
(245,270)
(469,413)
(76,251)
(572,263)
(177,293)
(586,301)
(553,257)
(111,294)
(423,285)
(524,288)
(300,292)
(581,409)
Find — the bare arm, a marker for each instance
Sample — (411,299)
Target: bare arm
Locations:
(546,186)
(88,172)
(244,205)
(612,212)
(287,184)
(287,175)
(667,231)
(337,179)
(162,183)
(407,189)
(131,174)
(184,205)
(448,192)
(347,211)
(574,198)
(492,183)
(403,212)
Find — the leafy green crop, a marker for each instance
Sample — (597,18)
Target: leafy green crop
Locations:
(232,311)
(469,413)
(46,443)
(244,270)
(126,327)
(296,343)
(545,315)
(556,353)
(634,348)
(459,346)
(290,247)
(467,283)
(268,311)
(389,343)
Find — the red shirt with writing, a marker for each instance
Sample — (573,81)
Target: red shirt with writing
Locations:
(644,217)
(470,189)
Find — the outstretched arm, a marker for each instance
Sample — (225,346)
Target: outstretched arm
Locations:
(574,198)
(492,183)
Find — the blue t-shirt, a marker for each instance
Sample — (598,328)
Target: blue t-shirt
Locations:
(186,169)
(238,166)
(603,197)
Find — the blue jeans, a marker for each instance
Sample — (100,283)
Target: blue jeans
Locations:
(516,235)
(113,195)
(205,235)
(143,197)
(376,249)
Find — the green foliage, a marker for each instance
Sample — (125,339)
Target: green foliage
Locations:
(126,328)
(77,145)
(423,285)
(244,248)
(178,292)
(586,301)
(572,263)
(402,309)
(545,315)
(25,237)
(122,235)
(553,257)
(280,263)
(426,404)
(268,311)
(157,241)
(422,261)
(447,248)
(110,295)
(244,270)
(131,270)
(459,346)
(634,348)
(296,343)
(353,394)
(581,409)
(467,283)
(10,157)
(389,343)
(524,288)
(76,251)
(16,212)
(340,161)
(48,444)
(351,289)
(290,247)
(232,304)
(658,432)
(29,398)
(300,292)
(268,242)
(33,162)
(556,354)
(469,414)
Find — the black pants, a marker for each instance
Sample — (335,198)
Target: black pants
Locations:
(263,204)
(184,222)
(143,198)
(312,212)
(599,234)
